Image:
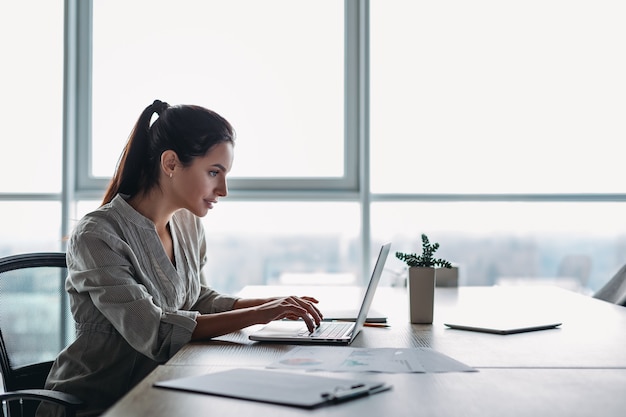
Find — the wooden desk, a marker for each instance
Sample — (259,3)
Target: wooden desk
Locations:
(578,370)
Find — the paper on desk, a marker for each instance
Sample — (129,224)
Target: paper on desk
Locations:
(349,359)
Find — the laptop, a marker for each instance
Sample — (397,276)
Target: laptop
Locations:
(342,333)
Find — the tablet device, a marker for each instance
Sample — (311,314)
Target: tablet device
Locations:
(503,328)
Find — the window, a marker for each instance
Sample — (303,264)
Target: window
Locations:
(278,80)
(31,116)
(503,242)
(282,243)
(496,128)
(30,226)
(509,112)
(31,109)
(494,97)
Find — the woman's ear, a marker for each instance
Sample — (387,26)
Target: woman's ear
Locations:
(169,162)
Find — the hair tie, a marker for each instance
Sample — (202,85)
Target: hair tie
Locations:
(159,106)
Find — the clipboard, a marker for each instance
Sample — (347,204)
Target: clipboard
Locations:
(284,388)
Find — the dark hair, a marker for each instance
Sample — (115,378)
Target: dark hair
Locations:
(190,131)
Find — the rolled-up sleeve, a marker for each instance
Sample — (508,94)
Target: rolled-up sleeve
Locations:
(210,301)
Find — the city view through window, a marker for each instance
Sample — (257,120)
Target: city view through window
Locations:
(263,243)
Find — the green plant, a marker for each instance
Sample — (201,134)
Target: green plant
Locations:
(425,260)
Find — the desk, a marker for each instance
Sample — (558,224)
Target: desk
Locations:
(578,370)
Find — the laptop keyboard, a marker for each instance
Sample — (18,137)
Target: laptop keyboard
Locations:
(327,330)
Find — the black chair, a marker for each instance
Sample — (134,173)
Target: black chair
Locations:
(34,328)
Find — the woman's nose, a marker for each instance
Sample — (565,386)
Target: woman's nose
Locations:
(222,190)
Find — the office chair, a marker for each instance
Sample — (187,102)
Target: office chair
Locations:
(33,330)
(614,291)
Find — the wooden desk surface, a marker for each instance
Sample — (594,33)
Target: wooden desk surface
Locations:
(593,334)
(578,370)
(490,392)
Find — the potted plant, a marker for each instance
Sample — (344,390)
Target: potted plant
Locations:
(421,280)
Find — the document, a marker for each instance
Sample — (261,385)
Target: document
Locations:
(351,359)
(277,387)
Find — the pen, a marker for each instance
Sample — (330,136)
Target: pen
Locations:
(366,324)
(355,391)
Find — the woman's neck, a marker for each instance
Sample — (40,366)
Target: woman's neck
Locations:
(153,207)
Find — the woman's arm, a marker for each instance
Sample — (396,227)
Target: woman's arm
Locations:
(253,302)
(247,312)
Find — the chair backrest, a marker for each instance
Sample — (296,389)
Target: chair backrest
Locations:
(614,291)
(35,322)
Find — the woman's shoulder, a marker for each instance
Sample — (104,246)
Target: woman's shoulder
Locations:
(92,230)
(107,228)
(98,219)
(104,221)
(118,213)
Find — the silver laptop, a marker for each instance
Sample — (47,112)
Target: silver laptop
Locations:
(327,332)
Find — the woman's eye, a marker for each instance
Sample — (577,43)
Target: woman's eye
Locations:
(213,173)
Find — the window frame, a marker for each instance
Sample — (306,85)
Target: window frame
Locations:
(87,185)
(353,185)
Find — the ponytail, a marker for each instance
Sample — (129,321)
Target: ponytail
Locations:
(190,131)
(130,174)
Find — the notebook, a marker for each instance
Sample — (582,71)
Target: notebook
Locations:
(327,332)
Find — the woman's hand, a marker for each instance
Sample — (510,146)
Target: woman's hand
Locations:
(292,308)
(249,311)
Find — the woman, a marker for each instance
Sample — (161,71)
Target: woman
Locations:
(135,264)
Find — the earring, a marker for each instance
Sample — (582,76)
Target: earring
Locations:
(171,175)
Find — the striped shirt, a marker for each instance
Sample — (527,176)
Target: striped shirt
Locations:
(133,308)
